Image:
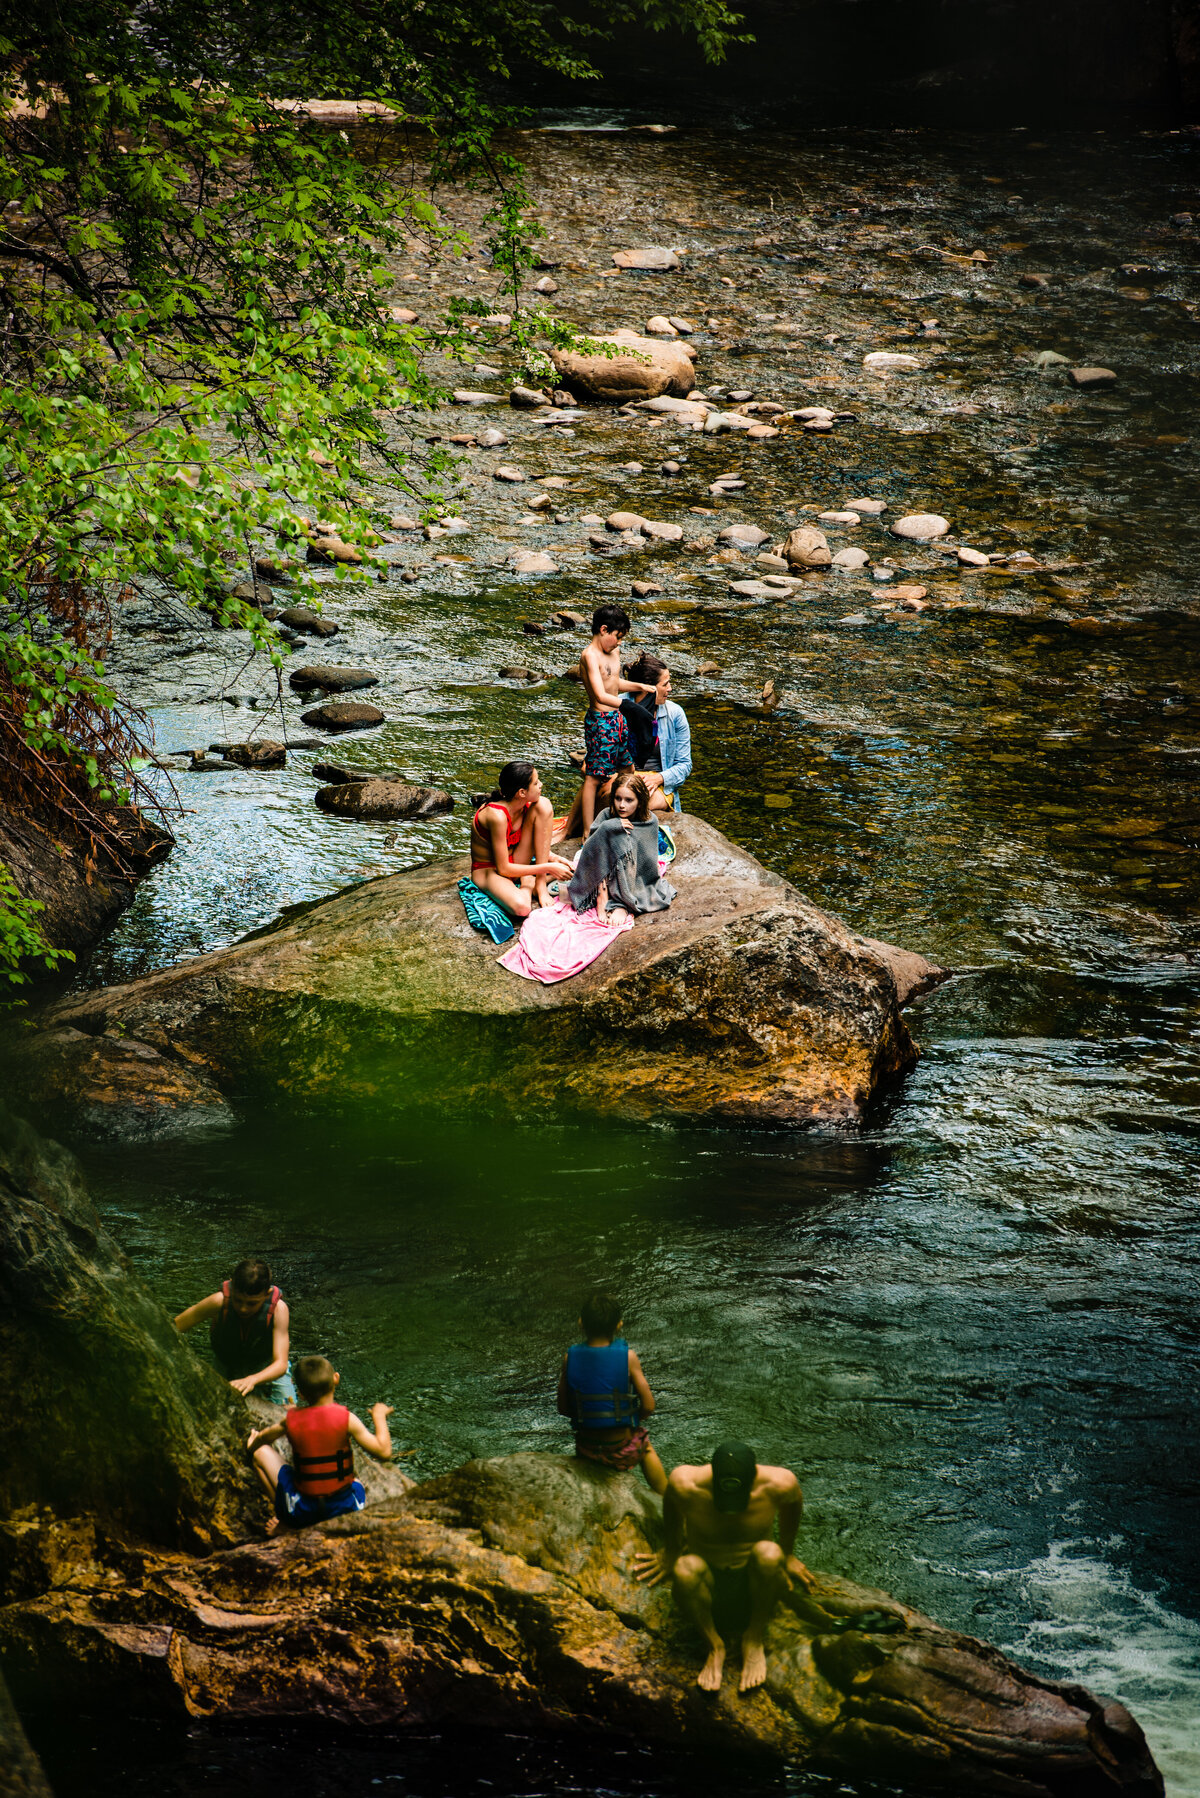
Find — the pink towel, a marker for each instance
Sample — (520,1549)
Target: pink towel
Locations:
(558,941)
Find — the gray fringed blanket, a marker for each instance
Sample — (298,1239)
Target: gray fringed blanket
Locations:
(627,861)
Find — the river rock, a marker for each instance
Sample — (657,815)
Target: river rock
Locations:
(470,396)
(850,517)
(492,438)
(850,558)
(806,547)
(332,549)
(971,558)
(528,397)
(507,473)
(532,561)
(255,593)
(774,1014)
(547,284)
(624,521)
(758,433)
(660,327)
(568,621)
(336,774)
(346,714)
(648,368)
(717,422)
(920,527)
(662,532)
(882,360)
(324,677)
(382,799)
(269,569)
(868,507)
(513,1578)
(259,753)
(313,624)
(747,536)
(1091,377)
(649,256)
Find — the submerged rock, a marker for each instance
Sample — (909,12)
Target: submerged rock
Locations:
(504,1592)
(325,677)
(743,1003)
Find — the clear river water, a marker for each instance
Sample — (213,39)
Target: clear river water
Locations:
(971,1326)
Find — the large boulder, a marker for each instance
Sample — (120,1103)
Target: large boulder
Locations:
(743,1003)
(81,888)
(636,368)
(503,1595)
(120,1427)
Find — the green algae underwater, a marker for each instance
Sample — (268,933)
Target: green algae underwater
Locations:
(970,1326)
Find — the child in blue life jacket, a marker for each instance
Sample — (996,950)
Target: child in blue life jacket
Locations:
(320,1482)
(603,1390)
(248,1326)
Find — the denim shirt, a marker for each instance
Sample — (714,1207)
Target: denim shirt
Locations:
(675,748)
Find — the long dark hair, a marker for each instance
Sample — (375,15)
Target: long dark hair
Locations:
(512,777)
(640,791)
(647,668)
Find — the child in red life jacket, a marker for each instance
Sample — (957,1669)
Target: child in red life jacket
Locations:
(603,1390)
(248,1326)
(320,1481)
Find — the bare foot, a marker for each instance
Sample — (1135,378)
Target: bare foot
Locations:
(709,1676)
(754,1665)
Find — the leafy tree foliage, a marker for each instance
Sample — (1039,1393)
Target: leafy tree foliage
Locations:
(198,358)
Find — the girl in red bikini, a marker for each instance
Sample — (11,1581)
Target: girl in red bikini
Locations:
(510,842)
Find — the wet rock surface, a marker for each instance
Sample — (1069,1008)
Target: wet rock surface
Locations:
(382,798)
(81,893)
(503,1594)
(742,1003)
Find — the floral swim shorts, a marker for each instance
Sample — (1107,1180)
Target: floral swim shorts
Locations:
(606,740)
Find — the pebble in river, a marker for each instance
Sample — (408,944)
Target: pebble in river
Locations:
(665,533)
(920,526)
(972,558)
(624,521)
(870,506)
(658,326)
(1092,377)
(890,359)
(747,536)
(532,561)
(839,517)
(507,473)
(851,558)
(649,256)
(492,438)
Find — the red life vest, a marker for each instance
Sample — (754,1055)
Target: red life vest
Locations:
(322,1458)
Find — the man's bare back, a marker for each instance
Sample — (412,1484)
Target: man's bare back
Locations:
(727,1569)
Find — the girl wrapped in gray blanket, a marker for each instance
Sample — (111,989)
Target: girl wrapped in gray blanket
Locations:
(617,870)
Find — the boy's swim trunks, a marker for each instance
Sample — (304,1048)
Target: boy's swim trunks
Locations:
(606,741)
(622,1457)
(292,1507)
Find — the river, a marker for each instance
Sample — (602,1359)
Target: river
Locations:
(971,1327)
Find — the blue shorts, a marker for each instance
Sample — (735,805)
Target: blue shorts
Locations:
(293,1508)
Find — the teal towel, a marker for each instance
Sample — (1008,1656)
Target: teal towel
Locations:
(483,912)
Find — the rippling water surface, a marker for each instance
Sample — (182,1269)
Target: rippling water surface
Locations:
(972,1327)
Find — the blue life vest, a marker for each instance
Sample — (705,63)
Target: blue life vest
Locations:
(601,1394)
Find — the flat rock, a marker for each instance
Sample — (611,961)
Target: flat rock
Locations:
(643,589)
(516,673)
(624,521)
(971,558)
(313,624)
(850,558)
(568,621)
(324,677)
(752,589)
(717,422)
(269,568)
(751,535)
(920,527)
(839,517)
(382,799)
(660,531)
(1092,377)
(890,359)
(805,547)
(759,432)
(259,753)
(648,369)
(471,396)
(515,1574)
(866,506)
(507,473)
(528,397)
(648,256)
(776,1015)
(346,714)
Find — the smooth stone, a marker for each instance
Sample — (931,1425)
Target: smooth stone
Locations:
(752,589)
(385,799)
(568,621)
(277,573)
(839,517)
(749,535)
(708,668)
(883,573)
(469,396)
(811,412)
(330,679)
(332,549)
(334,774)
(671,468)
(738,394)
(313,624)
(682,408)
(591,518)
(727,421)
(563,399)
(806,547)
(866,506)
(403,315)
(855,618)
(624,521)
(492,438)
(507,473)
(920,526)
(909,591)
(662,532)
(850,558)
(1092,377)
(533,561)
(818,424)
(649,369)
(547,284)
(647,256)
(972,558)
(528,397)
(258,753)
(519,673)
(658,326)
(760,432)
(1032,280)
(255,593)
(402,522)
(890,359)
(684,325)
(777,564)
(346,714)
(643,589)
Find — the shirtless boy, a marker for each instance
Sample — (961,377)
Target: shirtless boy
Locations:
(605,732)
(727,1570)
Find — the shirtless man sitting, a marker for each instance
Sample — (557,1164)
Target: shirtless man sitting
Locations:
(727,1570)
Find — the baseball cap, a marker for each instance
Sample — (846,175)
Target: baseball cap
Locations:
(733,1468)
